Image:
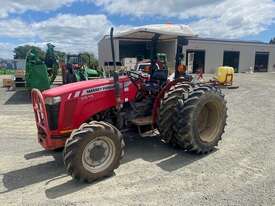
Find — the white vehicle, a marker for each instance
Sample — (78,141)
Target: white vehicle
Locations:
(142,65)
(129,63)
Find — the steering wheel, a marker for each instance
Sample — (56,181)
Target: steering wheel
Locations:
(136,76)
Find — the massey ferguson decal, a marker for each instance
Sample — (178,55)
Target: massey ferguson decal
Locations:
(97,89)
(94,90)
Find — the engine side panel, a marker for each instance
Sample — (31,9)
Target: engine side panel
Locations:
(77,107)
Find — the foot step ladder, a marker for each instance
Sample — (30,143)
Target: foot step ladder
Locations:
(145,122)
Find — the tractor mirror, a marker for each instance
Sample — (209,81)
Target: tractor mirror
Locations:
(181,56)
(185,42)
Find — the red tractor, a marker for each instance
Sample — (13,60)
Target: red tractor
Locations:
(89,118)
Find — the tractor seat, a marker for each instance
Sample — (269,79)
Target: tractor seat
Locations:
(157,80)
(159,75)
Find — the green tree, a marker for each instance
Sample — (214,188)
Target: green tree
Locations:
(89,59)
(94,60)
(272,41)
(21,52)
(61,55)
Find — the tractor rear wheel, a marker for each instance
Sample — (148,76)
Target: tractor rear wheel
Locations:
(93,151)
(167,110)
(200,120)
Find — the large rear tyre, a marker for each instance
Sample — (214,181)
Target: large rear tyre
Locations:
(167,110)
(200,120)
(93,151)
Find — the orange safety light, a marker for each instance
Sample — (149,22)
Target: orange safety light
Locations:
(182,68)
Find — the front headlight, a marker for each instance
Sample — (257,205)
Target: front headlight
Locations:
(52,100)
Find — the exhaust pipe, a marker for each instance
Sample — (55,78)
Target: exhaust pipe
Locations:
(115,74)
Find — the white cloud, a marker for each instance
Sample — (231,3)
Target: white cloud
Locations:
(19,6)
(73,33)
(215,18)
(156,8)
(247,17)
(15,28)
(69,33)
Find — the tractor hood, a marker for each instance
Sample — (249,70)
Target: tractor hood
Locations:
(79,86)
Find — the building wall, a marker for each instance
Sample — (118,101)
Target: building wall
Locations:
(214,53)
(105,52)
(168,47)
(105,55)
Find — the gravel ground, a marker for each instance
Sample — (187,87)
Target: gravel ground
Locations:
(239,172)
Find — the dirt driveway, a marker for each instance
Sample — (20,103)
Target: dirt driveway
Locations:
(241,171)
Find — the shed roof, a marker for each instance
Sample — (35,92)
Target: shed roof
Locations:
(166,31)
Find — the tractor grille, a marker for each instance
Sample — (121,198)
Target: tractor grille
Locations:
(69,114)
(53,113)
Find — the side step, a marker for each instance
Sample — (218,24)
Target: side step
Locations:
(145,122)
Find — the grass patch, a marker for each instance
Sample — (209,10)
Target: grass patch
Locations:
(4,71)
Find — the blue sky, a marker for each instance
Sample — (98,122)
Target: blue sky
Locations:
(77,25)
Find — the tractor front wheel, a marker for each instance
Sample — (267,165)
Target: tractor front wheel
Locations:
(93,151)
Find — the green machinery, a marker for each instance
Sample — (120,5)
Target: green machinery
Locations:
(76,70)
(40,74)
(162,57)
(51,61)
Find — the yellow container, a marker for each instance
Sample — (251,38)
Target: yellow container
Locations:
(224,75)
